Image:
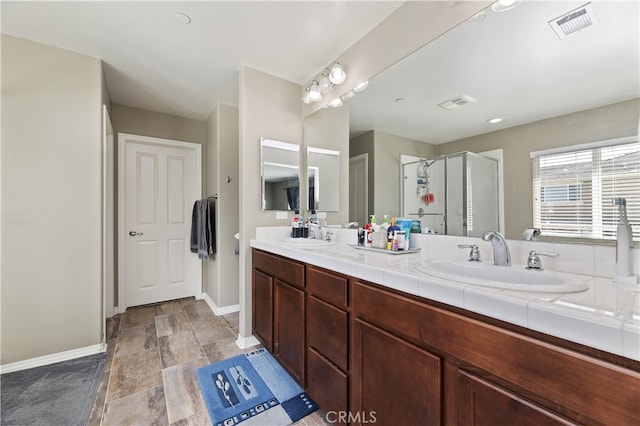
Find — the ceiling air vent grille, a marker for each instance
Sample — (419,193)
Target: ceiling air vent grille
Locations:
(574,21)
(457,102)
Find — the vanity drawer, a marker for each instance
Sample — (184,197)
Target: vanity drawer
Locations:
(286,270)
(328,331)
(328,286)
(327,385)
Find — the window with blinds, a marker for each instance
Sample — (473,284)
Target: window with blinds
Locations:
(573,191)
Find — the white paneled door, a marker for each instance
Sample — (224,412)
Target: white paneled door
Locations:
(159,182)
(359,189)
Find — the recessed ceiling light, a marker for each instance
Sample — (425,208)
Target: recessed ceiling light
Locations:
(494,120)
(504,5)
(183,18)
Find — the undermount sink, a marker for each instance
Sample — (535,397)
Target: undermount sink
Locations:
(307,242)
(514,277)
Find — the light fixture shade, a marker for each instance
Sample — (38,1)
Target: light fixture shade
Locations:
(361,86)
(337,102)
(504,5)
(314,92)
(307,97)
(350,94)
(324,83)
(337,74)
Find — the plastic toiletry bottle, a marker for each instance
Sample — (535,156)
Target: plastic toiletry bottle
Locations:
(374,226)
(623,269)
(400,238)
(390,233)
(368,241)
(295,226)
(385,223)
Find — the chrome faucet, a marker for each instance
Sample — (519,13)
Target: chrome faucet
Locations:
(315,231)
(501,254)
(530,234)
(351,225)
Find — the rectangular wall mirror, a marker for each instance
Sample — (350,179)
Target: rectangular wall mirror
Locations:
(280,175)
(323,179)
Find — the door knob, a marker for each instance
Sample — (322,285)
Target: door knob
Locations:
(134,233)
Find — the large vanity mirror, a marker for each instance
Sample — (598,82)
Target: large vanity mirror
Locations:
(323,179)
(545,88)
(280,175)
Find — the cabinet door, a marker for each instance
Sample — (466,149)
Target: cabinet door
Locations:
(481,403)
(289,328)
(262,295)
(393,381)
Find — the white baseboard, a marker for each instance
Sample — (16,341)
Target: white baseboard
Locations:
(219,311)
(246,342)
(53,358)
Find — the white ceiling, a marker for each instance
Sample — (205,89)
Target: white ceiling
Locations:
(154,62)
(516,68)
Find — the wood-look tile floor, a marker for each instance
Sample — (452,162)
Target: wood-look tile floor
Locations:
(154,351)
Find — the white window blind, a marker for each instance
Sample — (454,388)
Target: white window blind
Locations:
(573,191)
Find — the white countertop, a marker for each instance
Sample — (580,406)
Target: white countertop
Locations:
(606,316)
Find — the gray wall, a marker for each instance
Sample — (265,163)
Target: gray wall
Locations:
(270,107)
(51,200)
(364,144)
(155,124)
(222,270)
(387,166)
(329,129)
(608,122)
(384,152)
(158,125)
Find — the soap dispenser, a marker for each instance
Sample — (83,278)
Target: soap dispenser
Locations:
(623,269)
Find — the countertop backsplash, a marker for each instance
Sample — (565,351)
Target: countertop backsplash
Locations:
(584,259)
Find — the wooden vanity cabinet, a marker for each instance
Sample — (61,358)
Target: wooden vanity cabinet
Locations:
(485,371)
(390,358)
(279,309)
(327,339)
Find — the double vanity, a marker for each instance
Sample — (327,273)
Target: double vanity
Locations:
(428,338)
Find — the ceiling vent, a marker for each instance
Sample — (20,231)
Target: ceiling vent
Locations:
(574,21)
(457,102)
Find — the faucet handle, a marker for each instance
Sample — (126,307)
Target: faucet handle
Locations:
(474,254)
(533,262)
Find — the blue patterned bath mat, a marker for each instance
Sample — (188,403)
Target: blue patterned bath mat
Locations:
(254,388)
